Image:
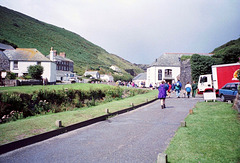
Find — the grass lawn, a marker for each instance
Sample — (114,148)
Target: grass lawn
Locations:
(30,126)
(212,135)
(31,89)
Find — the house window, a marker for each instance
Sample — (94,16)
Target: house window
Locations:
(15,65)
(168,73)
(159,74)
(38,63)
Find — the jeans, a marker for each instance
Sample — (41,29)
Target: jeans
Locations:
(178,93)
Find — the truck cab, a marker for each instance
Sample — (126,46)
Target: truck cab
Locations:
(205,83)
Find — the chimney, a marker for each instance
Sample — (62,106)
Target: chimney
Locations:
(63,54)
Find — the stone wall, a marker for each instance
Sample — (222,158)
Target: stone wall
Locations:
(185,72)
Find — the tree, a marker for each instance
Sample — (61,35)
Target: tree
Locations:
(201,65)
(35,71)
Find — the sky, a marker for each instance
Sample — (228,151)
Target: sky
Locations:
(141,30)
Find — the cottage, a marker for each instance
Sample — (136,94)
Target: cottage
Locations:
(107,78)
(93,74)
(21,58)
(140,79)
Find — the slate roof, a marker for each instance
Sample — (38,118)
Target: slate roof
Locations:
(25,54)
(60,58)
(4,47)
(173,59)
(141,76)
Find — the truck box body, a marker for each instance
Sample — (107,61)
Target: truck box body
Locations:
(221,74)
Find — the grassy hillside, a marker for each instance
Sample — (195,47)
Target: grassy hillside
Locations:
(230,44)
(27,32)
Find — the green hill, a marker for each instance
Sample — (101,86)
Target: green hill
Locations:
(227,53)
(27,32)
(230,44)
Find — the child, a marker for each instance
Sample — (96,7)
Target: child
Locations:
(188,89)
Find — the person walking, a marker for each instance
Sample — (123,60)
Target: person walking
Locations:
(162,94)
(188,89)
(178,87)
(169,89)
(194,89)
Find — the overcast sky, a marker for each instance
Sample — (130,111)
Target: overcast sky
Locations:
(141,30)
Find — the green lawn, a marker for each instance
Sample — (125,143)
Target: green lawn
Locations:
(212,135)
(30,126)
(31,89)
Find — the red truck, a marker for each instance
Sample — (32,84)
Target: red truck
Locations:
(221,74)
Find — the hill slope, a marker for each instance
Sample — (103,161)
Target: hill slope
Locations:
(230,44)
(27,32)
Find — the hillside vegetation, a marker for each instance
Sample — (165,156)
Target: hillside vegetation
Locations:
(27,32)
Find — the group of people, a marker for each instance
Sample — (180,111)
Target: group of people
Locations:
(165,90)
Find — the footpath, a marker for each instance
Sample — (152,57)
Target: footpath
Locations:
(136,137)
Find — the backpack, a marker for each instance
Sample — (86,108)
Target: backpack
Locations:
(188,89)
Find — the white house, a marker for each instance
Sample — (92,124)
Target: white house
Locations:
(167,67)
(107,78)
(140,79)
(21,58)
(94,74)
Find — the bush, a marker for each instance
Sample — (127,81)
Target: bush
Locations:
(35,71)
(10,75)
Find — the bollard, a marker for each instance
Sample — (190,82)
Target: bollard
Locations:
(132,104)
(162,158)
(183,124)
(58,123)
(107,111)
(191,111)
(146,100)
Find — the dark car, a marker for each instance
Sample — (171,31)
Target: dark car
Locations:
(229,91)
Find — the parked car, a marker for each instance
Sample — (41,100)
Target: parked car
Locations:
(229,91)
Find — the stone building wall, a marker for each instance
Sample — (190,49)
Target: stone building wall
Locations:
(185,72)
(4,62)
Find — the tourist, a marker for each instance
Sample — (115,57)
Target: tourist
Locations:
(188,89)
(162,94)
(178,87)
(169,89)
(194,89)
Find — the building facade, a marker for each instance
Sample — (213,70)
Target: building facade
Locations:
(21,58)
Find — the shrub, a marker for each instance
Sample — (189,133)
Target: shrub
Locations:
(35,71)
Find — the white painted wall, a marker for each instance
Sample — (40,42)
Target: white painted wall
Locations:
(49,69)
(106,77)
(152,74)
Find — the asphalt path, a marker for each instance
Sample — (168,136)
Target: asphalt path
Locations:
(136,137)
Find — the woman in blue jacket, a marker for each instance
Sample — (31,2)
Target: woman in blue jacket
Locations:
(162,94)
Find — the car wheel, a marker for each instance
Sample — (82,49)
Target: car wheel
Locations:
(222,98)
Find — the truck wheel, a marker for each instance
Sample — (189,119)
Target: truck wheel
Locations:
(222,98)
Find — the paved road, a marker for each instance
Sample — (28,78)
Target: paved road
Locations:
(137,136)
